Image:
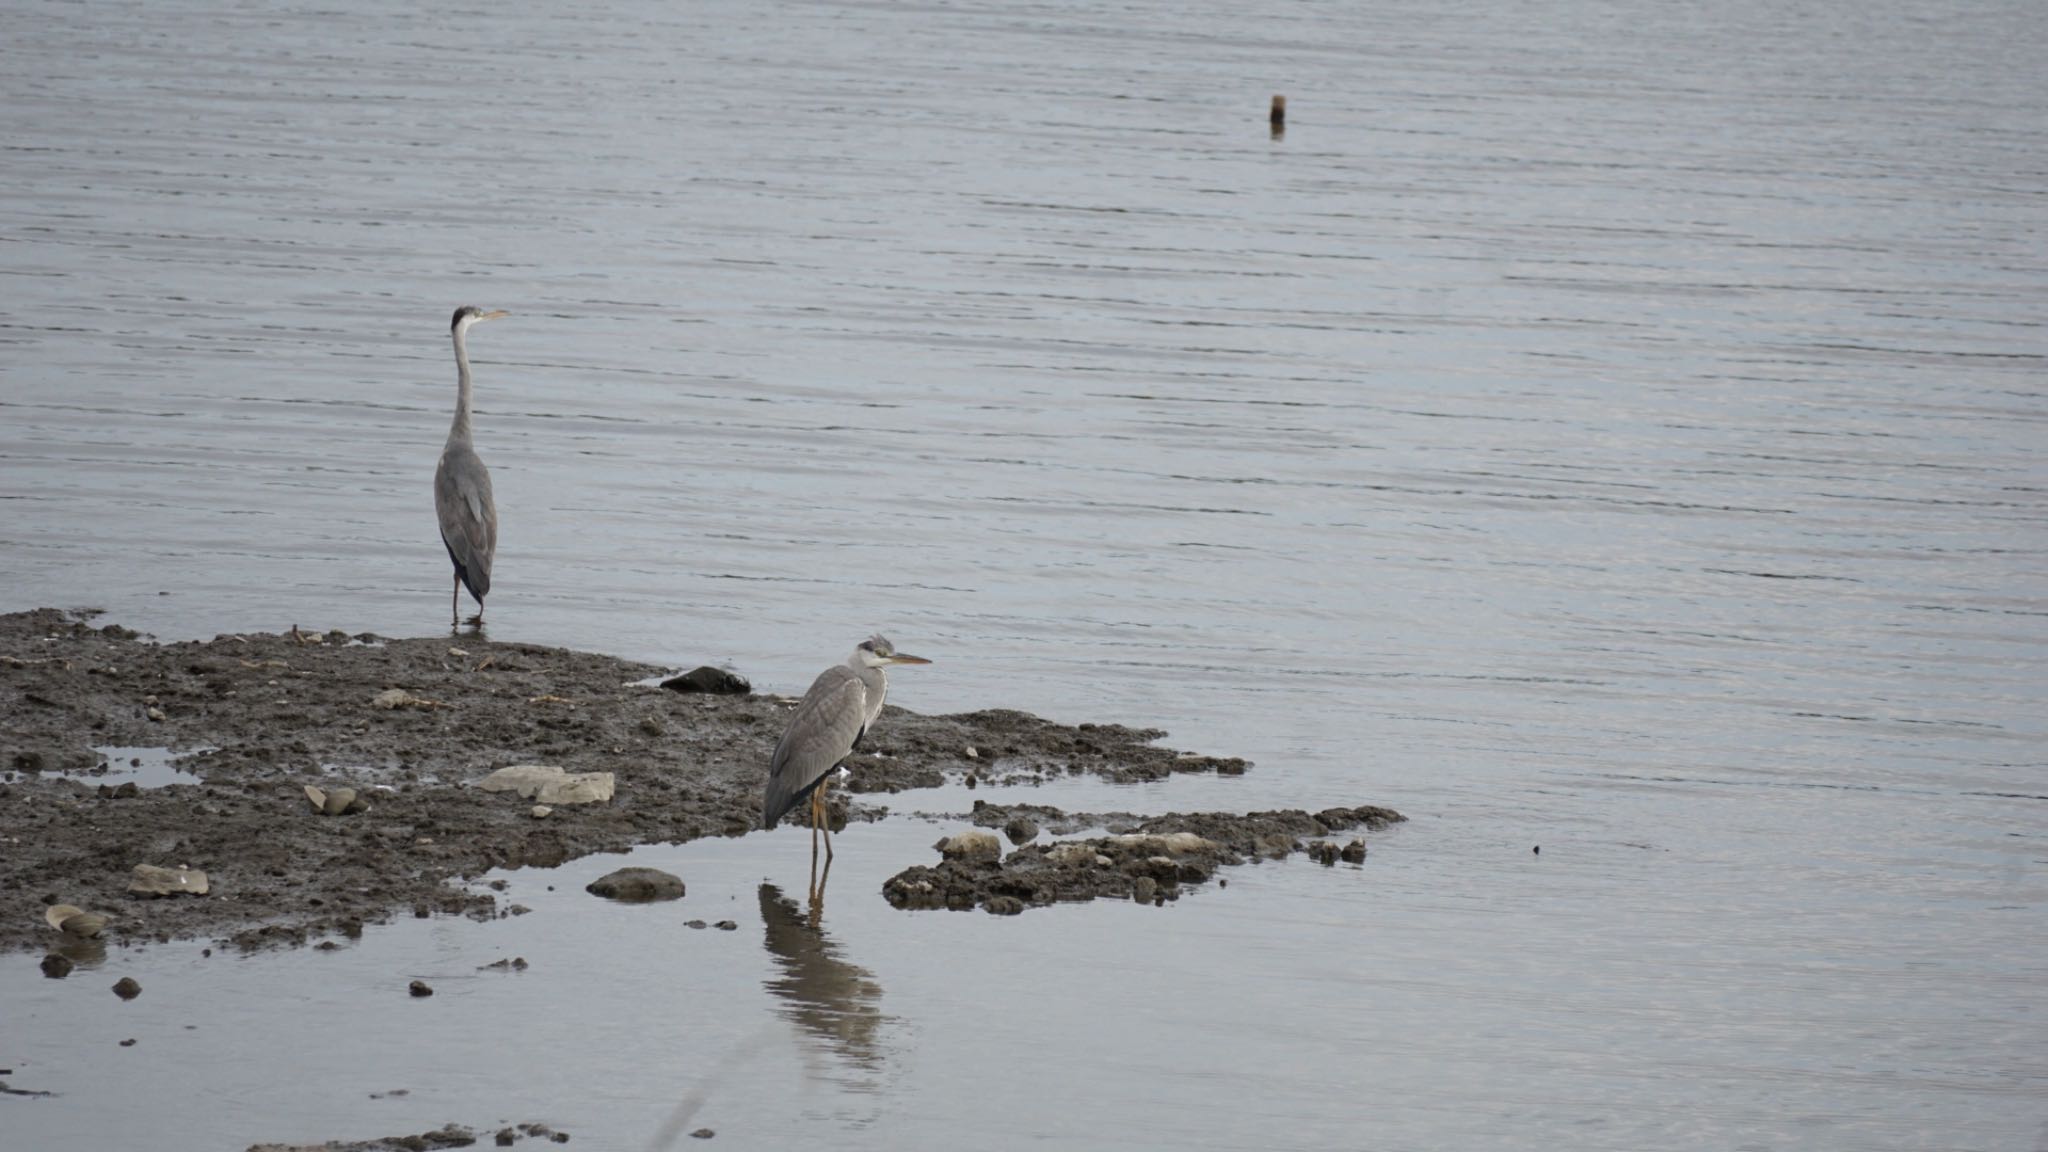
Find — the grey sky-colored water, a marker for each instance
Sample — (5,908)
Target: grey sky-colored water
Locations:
(1614,427)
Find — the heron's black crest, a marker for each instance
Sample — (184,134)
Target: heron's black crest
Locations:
(879,645)
(465,310)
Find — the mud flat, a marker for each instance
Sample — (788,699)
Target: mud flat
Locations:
(412,726)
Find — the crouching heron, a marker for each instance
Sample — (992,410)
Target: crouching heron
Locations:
(462,486)
(828,725)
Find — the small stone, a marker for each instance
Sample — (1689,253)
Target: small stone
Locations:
(727,926)
(709,679)
(56,967)
(128,1043)
(637,885)
(973,844)
(126,988)
(973,753)
(150,880)
(702,1134)
(419,988)
(541,811)
(506,1136)
(1004,906)
(695,924)
(1354,852)
(1144,889)
(1020,830)
(649,726)
(156,714)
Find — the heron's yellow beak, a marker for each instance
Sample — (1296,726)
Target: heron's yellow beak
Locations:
(900,658)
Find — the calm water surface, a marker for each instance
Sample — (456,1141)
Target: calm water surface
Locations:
(1615,427)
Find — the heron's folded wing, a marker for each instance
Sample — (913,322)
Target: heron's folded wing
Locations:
(819,736)
(469,517)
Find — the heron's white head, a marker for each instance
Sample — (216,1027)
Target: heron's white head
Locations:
(467,315)
(877,652)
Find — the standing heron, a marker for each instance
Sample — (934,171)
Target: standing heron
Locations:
(462,487)
(838,710)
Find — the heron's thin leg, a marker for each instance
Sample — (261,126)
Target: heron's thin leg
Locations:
(825,821)
(455,602)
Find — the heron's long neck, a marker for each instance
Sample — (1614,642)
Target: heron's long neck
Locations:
(875,682)
(459,430)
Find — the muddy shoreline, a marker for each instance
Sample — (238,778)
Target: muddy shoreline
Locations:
(259,716)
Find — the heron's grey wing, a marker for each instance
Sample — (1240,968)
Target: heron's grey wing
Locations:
(819,736)
(469,516)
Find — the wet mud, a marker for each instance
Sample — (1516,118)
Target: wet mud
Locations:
(1149,861)
(410,726)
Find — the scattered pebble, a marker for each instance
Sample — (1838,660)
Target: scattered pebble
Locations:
(126,988)
(419,988)
(1354,852)
(56,967)
(727,926)
(695,924)
(128,1043)
(703,1134)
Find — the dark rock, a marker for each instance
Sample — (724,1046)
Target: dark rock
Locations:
(419,988)
(506,1136)
(126,988)
(637,885)
(695,924)
(56,967)
(709,679)
(1144,889)
(1004,906)
(727,926)
(1354,852)
(703,1134)
(1020,829)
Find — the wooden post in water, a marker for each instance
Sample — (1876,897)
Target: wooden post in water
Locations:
(1278,117)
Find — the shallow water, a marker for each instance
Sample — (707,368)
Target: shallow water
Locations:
(1609,427)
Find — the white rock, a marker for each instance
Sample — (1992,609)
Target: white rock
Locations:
(973,844)
(1170,842)
(973,753)
(150,880)
(548,784)
(1069,851)
(541,811)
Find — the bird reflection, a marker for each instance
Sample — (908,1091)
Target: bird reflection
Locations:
(835,1001)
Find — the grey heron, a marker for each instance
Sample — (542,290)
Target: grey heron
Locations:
(827,726)
(462,486)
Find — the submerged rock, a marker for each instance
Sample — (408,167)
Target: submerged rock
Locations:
(637,885)
(1151,863)
(126,988)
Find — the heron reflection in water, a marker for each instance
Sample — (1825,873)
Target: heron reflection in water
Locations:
(836,1002)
